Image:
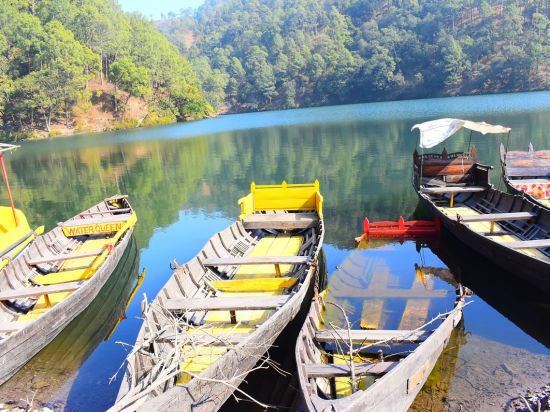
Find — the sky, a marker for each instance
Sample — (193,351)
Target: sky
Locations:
(155,8)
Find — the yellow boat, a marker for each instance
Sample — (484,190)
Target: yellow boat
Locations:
(15,232)
(220,312)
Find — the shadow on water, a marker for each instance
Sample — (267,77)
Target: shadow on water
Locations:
(520,302)
(48,377)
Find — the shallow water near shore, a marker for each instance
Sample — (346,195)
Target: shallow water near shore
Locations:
(184,181)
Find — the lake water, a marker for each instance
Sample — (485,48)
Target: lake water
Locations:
(184,181)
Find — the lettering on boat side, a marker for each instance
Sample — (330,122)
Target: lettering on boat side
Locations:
(93,229)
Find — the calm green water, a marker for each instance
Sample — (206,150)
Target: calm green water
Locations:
(184,181)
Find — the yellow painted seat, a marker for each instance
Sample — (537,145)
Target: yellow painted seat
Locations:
(254,285)
(195,360)
(74,270)
(219,323)
(280,245)
(44,304)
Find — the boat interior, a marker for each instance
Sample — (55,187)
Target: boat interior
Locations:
(59,262)
(386,312)
(529,172)
(241,277)
(501,217)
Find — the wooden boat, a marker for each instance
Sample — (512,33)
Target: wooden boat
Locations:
(15,232)
(59,362)
(370,369)
(57,277)
(527,173)
(509,230)
(220,312)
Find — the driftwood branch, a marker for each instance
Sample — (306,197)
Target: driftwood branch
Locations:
(173,339)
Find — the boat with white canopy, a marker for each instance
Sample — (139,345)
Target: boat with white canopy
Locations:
(509,230)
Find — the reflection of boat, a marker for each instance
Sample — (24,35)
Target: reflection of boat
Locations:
(509,230)
(53,369)
(527,173)
(528,310)
(57,277)
(15,232)
(376,369)
(220,312)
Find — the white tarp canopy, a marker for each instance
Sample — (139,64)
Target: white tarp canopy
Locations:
(436,131)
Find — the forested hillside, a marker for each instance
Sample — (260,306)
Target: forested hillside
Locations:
(259,54)
(61,59)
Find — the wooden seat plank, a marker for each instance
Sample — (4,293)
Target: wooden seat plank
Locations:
(495,217)
(280,221)
(453,189)
(68,256)
(335,370)
(256,260)
(528,244)
(39,290)
(226,303)
(358,336)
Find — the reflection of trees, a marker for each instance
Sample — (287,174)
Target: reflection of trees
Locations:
(53,186)
(364,168)
(58,363)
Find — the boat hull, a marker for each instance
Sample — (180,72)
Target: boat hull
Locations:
(205,396)
(23,345)
(529,269)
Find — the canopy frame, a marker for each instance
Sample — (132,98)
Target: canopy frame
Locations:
(437,131)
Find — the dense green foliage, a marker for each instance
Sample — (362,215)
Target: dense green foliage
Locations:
(50,49)
(288,53)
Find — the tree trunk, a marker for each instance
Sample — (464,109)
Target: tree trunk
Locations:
(48,120)
(116,108)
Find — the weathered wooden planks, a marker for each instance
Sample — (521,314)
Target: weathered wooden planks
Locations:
(441,190)
(40,290)
(495,217)
(256,260)
(227,303)
(281,221)
(332,370)
(67,256)
(528,244)
(358,336)
(447,169)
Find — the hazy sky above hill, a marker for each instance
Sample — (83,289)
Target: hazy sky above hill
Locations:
(155,8)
